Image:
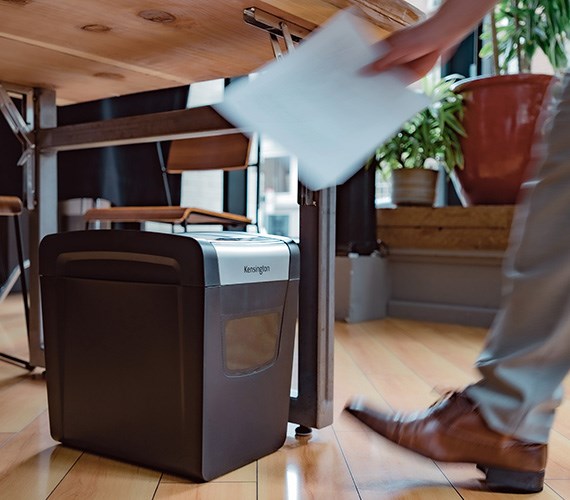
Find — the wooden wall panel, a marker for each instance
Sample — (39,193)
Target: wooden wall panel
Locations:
(449,228)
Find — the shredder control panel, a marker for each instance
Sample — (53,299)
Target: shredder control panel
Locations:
(249,258)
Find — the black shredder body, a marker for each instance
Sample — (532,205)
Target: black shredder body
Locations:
(170,351)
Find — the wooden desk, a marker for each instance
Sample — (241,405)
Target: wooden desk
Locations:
(87,50)
(69,51)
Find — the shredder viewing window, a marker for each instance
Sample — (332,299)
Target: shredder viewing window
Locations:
(251,342)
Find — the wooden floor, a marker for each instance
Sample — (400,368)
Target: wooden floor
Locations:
(400,364)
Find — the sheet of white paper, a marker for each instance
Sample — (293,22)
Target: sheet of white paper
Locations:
(317,103)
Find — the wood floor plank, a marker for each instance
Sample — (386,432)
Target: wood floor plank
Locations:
(468,494)
(399,386)
(376,465)
(420,492)
(32,464)
(15,344)
(562,419)
(11,374)
(306,468)
(214,490)
(395,363)
(429,359)
(13,338)
(244,474)
(448,341)
(561,487)
(97,478)
(383,470)
(349,381)
(435,369)
(470,484)
(467,341)
(21,403)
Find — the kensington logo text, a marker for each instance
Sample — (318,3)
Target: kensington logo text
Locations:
(256,269)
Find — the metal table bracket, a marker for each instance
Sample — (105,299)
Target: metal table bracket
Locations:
(313,406)
(23,128)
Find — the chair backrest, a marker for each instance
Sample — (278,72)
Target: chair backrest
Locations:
(10,206)
(227,152)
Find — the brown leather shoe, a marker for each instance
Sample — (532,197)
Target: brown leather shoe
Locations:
(452,430)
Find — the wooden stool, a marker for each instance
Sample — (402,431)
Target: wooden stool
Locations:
(11,206)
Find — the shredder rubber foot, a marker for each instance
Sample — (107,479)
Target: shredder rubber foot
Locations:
(303,431)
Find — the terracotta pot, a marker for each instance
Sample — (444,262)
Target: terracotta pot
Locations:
(501,113)
(414,186)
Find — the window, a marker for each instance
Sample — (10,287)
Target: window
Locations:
(277,174)
(278,225)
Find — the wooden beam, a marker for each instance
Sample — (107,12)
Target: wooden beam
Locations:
(170,125)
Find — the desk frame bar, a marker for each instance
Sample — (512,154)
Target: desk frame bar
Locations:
(155,127)
(43,217)
(40,196)
(313,407)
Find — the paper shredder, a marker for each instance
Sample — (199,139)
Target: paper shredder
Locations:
(170,351)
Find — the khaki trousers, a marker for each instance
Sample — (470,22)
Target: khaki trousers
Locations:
(527,352)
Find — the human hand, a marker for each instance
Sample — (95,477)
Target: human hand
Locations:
(416,49)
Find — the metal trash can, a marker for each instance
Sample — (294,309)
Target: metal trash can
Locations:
(172,351)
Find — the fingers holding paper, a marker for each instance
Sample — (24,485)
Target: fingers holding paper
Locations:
(414,59)
(416,49)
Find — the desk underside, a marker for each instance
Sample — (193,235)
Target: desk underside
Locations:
(88,50)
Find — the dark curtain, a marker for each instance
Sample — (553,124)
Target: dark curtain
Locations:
(124,175)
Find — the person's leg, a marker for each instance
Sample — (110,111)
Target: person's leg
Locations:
(527,352)
(502,422)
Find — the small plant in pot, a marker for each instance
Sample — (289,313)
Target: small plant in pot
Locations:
(411,158)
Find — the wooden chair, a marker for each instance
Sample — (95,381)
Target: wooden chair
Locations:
(11,206)
(227,152)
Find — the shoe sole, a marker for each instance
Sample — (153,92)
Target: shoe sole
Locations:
(512,481)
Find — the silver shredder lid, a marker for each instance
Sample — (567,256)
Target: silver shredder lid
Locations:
(248,258)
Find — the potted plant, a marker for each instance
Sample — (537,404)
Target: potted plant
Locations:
(502,111)
(411,158)
(520,28)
